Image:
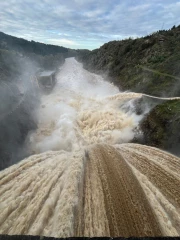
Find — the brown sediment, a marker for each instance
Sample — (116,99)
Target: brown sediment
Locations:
(122,190)
(113,192)
(158,173)
(93,220)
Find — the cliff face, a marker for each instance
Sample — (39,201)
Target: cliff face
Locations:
(149,65)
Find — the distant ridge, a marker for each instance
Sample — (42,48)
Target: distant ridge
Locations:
(9,42)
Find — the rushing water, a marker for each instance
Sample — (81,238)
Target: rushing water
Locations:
(80,112)
(84,178)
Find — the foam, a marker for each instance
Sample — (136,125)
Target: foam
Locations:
(80,111)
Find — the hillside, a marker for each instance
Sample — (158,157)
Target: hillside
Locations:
(15,51)
(149,64)
(24,46)
(161,127)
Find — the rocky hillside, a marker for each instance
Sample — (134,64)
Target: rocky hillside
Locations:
(161,126)
(149,64)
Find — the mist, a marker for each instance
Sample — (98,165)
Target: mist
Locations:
(19,98)
(83,109)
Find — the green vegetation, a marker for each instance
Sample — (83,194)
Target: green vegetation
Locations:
(161,126)
(149,64)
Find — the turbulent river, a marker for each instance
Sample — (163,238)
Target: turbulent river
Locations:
(84,178)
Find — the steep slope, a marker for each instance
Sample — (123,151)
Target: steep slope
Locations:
(161,126)
(148,65)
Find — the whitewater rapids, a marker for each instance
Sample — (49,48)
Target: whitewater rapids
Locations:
(80,112)
(84,178)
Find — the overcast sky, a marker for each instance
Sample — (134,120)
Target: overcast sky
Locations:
(86,23)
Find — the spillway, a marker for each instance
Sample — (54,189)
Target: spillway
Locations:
(84,178)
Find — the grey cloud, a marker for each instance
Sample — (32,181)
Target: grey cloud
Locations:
(87,23)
